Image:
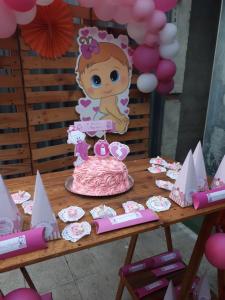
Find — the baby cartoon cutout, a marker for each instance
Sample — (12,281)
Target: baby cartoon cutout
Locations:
(104,72)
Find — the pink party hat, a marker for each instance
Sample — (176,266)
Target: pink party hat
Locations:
(170,292)
(219,178)
(186,183)
(200,171)
(42,214)
(202,290)
(10,217)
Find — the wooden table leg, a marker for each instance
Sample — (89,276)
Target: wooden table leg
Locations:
(128,259)
(1,293)
(169,242)
(27,278)
(205,231)
(221,284)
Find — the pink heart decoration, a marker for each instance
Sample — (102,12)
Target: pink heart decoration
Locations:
(119,150)
(124,46)
(86,119)
(85,32)
(85,102)
(91,133)
(130,52)
(102,35)
(124,101)
(96,109)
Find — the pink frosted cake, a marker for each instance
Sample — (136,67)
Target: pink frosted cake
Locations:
(100,177)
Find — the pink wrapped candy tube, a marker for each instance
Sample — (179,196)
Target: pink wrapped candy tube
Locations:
(47,297)
(151,262)
(209,198)
(168,269)
(151,288)
(125,220)
(22,242)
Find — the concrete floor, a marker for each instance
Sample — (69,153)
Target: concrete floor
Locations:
(93,274)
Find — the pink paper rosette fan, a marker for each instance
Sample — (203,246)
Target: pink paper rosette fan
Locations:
(52,31)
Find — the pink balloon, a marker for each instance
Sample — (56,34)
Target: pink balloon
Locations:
(23,294)
(87,3)
(156,22)
(7,21)
(215,250)
(165,87)
(165,5)
(145,59)
(166,70)
(123,15)
(143,8)
(152,40)
(20,5)
(25,17)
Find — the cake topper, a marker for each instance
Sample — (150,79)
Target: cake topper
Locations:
(10,218)
(42,214)
(200,168)
(101,148)
(119,150)
(77,138)
(219,178)
(104,72)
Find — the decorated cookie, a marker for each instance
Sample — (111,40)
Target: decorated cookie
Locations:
(71,214)
(119,150)
(102,211)
(158,203)
(75,231)
(132,206)
(176,166)
(156,169)
(166,185)
(20,197)
(172,174)
(158,161)
(28,206)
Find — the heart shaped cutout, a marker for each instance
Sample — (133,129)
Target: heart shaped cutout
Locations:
(119,150)
(85,102)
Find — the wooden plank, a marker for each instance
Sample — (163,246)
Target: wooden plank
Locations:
(15,169)
(80,12)
(11,154)
(37,62)
(13,120)
(9,62)
(52,165)
(11,81)
(53,96)
(15,98)
(13,138)
(10,43)
(53,115)
(130,135)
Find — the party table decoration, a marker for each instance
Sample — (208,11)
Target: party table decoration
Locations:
(170,292)
(102,211)
(75,231)
(219,178)
(166,185)
(152,287)
(51,33)
(42,214)
(10,217)
(209,198)
(28,207)
(71,214)
(200,169)
(158,161)
(103,70)
(175,166)
(172,174)
(186,183)
(132,206)
(155,169)
(20,197)
(158,203)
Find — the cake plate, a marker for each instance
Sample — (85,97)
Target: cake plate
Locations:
(69,182)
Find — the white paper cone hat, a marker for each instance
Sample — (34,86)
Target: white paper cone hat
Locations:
(170,292)
(203,289)
(10,217)
(200,171)
(42,214)
(185,184)
(219,178)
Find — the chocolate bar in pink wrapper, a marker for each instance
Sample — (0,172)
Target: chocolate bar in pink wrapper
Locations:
(47,297)
(125,220)
(152,262)
(151,288)
(162,271)
(22,242)
(209,198)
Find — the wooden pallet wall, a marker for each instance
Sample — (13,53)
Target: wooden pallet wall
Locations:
(15,158)
(51,94)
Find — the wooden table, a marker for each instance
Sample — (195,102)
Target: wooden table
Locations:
(144,187)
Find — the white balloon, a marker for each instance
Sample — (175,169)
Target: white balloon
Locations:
(23,18)
(147,83)
(44,2)
(137,31)
(168,34)
(169,51)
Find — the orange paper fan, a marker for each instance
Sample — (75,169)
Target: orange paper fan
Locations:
(52,31)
